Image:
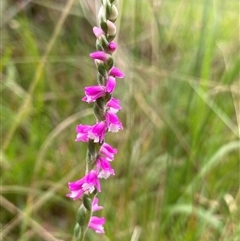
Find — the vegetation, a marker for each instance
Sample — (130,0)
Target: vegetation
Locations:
(177,167)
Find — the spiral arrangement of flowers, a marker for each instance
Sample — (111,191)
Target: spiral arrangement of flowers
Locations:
(105,107)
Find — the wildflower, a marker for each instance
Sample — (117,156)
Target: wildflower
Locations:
(95,206)
(107,151)
(100,55)
(82,132)
(111,83)
(115,72)
(87,184)
(111,28)
(114,105)
(96,224)
(98,131)
(104,168)
(100,154)
(92,93)
(98,32)
(113,123)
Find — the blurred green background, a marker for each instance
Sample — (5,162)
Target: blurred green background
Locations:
(177,167)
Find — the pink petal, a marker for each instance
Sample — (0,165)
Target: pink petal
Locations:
(92,93)
(96,224)
(98,131)
(107,151)
(86,184)
(98,31)
(112,47)
(111,83)
(114,125)
(115,72)
(95,206)
(82,132)
(105,167)
(100,55)
(114,105)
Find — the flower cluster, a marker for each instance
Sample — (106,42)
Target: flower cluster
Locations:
(100,154)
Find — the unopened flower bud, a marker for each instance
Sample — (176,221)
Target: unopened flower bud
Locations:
(114,14)
(77,231)
(112,47)
(111,28)
(104,26)
(82,216)
(108,9)
(98,32)
(101,68)
(101,14)
(104,42)
(87,202)
(109,63)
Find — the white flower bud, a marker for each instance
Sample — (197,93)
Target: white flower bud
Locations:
(101,14)
(114,13)
(111,28)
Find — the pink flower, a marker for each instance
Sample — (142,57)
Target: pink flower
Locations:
(113,123)
(98,32)
(100,55)
(115,72)
(107,151)
(87,184)
(82,132)
(104,168)
(111,84)
(114,105)
(98,131)
(92,93)
(112,47)
(96,224)
(95,206)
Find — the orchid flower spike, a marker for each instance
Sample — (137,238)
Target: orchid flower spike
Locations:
(105,108)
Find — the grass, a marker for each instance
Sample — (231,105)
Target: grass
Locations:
(177,168)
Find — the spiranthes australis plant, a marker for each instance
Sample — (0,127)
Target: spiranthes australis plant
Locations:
(105,106)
